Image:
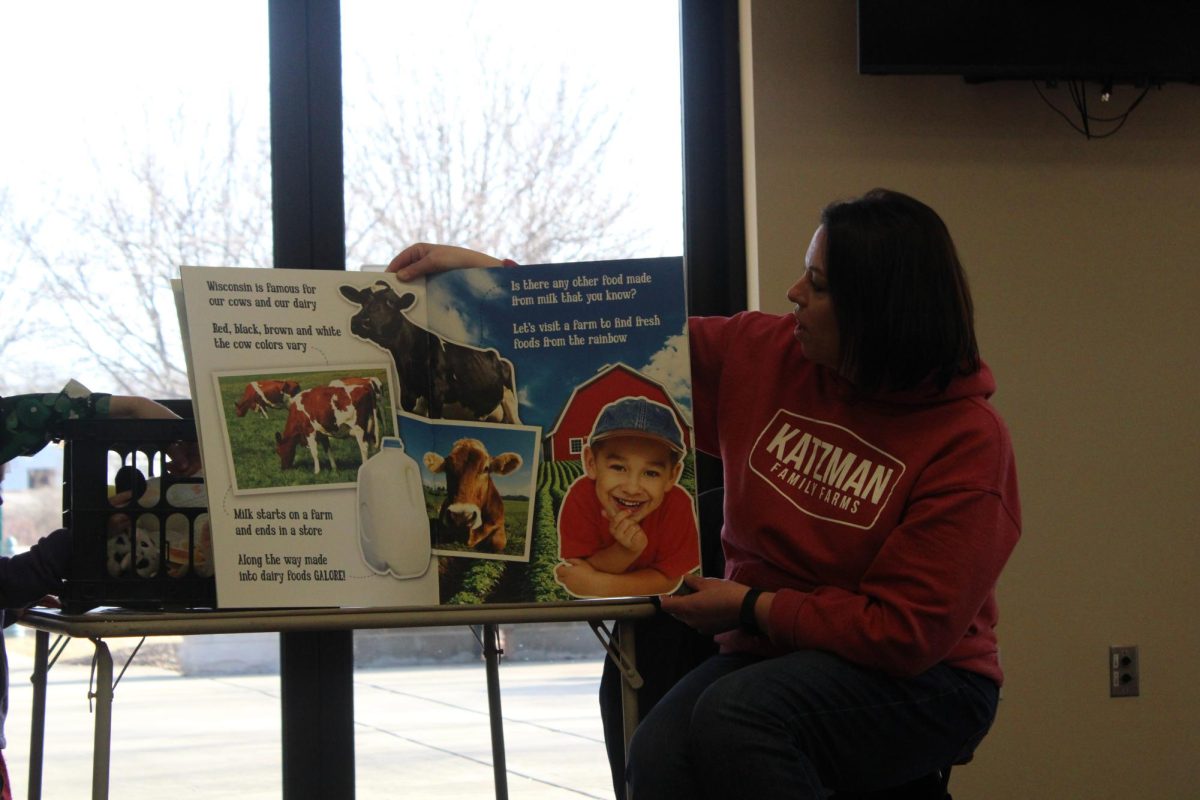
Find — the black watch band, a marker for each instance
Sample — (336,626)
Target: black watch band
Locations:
(746,619)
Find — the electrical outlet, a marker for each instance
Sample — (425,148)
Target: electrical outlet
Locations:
(1123,671)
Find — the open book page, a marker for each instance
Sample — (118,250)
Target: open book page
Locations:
(369,442)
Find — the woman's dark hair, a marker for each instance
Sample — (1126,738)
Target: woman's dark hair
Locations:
(903,307)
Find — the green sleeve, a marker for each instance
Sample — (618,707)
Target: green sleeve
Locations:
(28,422)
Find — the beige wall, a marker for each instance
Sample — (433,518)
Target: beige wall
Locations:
(1083,259)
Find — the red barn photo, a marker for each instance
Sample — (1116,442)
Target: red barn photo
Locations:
(570,432)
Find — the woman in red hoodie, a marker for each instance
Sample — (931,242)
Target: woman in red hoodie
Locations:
(870,505)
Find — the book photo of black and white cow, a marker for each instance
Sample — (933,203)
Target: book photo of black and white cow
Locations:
(439,379)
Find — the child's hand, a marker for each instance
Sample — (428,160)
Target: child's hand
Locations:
(117,501)
(422,259)
(47,601)
(575,574)
(183,458)
(627,532)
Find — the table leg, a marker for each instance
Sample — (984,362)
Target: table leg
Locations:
(37,727)
(629,697)
(620,646)
(316,683)
(491,656)
(103,733)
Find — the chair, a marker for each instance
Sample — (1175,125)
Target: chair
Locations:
(934,786)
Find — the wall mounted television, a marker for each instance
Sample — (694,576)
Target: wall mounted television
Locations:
(1139,42)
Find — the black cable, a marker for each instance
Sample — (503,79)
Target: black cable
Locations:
(1083,111)
(1055,108)
(1078,93)
(1121,117)
(1078,99)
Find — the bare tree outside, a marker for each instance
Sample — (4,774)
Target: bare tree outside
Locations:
(517,175)
(31,514)
(12,297)
(110,277)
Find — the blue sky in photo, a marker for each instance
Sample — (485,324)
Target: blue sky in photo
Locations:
(476,307)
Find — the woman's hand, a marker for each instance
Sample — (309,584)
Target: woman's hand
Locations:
(712,606)
(422,259)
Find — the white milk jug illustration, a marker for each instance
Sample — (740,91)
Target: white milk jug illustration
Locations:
(393,528)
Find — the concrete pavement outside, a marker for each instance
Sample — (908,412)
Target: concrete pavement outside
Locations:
(421,731)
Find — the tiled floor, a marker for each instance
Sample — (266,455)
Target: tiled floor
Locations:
(421,731)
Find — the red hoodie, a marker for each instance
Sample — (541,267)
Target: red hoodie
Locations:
(882,524)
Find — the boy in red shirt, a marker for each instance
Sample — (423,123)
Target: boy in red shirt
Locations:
(626,527)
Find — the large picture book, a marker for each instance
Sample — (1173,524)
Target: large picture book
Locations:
(505,435)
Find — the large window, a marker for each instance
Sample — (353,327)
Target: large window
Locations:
(134,140)
(137,139)
(544,131)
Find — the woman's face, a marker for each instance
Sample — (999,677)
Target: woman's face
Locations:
(816,323)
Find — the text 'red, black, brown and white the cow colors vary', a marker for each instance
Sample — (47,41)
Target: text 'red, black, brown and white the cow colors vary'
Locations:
(473,504)
(261,395)
(444,380)
(322,413)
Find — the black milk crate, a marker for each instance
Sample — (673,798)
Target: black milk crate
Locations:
(141,537)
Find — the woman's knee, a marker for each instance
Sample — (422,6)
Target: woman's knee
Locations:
(727,715)
(765,703)
(658,764)
(642,745)
(659,737)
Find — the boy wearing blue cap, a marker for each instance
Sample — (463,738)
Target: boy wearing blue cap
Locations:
(626,527)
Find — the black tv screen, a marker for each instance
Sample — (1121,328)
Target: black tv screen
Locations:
(1140,42)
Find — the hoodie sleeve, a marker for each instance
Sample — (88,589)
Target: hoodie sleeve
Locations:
(27,577)
(708,341)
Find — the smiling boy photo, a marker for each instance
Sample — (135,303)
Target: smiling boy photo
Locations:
(626,527)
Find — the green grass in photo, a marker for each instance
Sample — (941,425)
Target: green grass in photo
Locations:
(256,464)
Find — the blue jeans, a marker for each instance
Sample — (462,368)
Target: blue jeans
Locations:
(804,724)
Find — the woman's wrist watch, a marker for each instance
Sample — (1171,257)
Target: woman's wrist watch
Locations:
(747,621)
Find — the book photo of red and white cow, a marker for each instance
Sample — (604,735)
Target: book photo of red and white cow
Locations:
(326,429)
(479,482)
(263,394)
